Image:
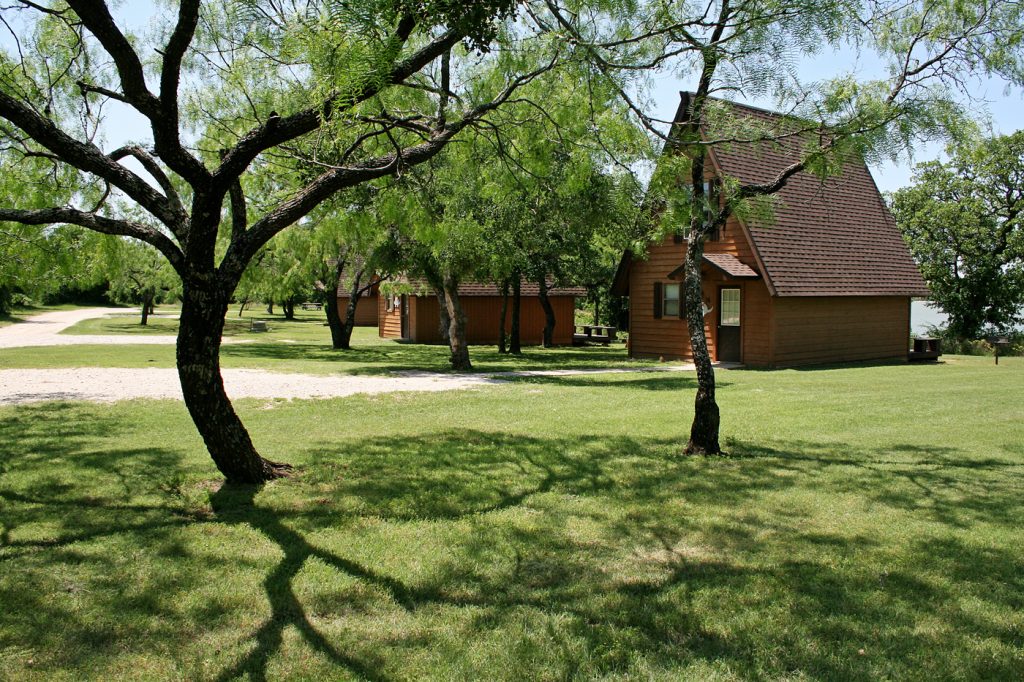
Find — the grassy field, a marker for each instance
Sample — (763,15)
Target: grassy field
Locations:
(302,345)
(867,523)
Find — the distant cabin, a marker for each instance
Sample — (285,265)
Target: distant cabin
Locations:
(366,309)
(416,317)
(827,279)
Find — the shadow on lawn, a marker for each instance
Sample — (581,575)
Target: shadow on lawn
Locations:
(613,605)
(577,556)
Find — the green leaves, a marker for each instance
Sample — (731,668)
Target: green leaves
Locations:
(964,223)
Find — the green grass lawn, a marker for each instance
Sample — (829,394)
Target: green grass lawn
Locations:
(301,345)
(867,524)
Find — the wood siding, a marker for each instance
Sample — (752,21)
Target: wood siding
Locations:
(669,337)
(366,312)
(482,316)
(818,330)
(389,324)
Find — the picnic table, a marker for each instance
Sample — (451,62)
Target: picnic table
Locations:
(312,306)
(593,333)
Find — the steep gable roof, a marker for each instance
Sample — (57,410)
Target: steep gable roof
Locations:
(832,237)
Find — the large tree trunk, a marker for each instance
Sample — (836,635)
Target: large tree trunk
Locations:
(288,307)
(704,430)
(514,344)
(549,313)
(198,355)
(457,326)
(502,348)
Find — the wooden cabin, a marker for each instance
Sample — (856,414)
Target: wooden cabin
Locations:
(366,309)
(826,279)
(416,317)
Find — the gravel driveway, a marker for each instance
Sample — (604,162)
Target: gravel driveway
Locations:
(110,384)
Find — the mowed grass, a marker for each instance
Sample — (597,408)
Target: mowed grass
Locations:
(300,345)
(867,524)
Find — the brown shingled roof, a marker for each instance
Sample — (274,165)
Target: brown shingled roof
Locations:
(832,237)
(727,263)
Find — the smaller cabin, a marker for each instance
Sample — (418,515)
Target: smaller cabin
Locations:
(416,317)
(366,309)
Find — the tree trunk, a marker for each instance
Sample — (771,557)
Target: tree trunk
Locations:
(288,307)
(270,307)
(549,313)
(350,311)
(514,344)
(504,313)
(147,308)
(444,319)
(334,321)
(241,308)
(457,326)
(704,430)
(198,355)
(597,309)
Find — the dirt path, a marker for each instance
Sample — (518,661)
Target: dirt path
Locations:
(110,384)
(106,384)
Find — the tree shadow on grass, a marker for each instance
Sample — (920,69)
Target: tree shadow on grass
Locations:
(575,556)
(693,588)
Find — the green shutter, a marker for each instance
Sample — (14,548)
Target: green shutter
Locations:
(657,300)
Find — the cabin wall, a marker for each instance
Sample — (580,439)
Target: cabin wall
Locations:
(482,316)
(819,330)
(669,337)
(366,312)
(389,323)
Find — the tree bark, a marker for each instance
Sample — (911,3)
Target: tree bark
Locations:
(457,326)
(203,310)
(549,313)
(706,419)
(514,343)
(502,348)
(354,294)
(270,307)
(147,308)
(288,307)
(331,310)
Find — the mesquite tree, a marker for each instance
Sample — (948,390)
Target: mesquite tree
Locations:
(930,48)
(227,91)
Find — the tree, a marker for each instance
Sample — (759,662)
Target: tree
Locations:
(930,47)
(228,91)
(964,222)
(138,274)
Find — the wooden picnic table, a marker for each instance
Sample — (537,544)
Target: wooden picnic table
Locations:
(594,333)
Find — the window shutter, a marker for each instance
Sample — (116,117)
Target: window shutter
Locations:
(657,300)
(682,295)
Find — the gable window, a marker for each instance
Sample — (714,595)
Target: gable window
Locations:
(710,203)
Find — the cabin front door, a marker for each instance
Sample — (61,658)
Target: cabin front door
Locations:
(403,308)
(729,324)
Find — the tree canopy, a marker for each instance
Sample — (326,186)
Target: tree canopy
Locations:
(963,220)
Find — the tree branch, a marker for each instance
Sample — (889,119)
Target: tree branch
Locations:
(98,223)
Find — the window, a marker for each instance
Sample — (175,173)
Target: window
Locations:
(730,310)
(670,304)
(711,202)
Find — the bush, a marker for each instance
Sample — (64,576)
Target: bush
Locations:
(953,345)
